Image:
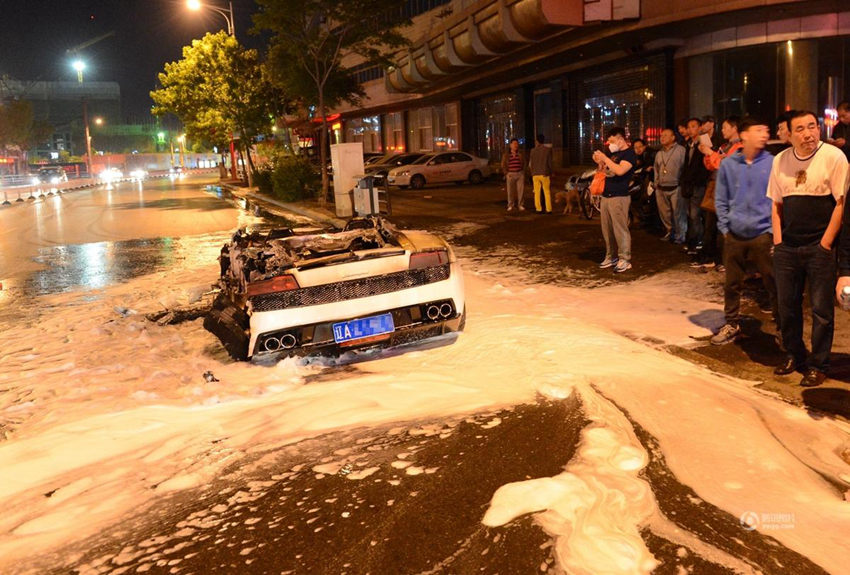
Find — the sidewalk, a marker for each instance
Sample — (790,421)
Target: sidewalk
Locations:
(307,209)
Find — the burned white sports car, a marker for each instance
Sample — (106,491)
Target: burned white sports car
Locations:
(369,285)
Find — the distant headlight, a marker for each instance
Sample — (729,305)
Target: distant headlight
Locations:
(35,181)
(403,173)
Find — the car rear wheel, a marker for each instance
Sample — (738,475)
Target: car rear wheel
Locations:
(417,182)
(475,177)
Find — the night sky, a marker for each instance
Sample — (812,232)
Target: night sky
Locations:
(35,34)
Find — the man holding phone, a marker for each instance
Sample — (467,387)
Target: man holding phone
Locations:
(614,210)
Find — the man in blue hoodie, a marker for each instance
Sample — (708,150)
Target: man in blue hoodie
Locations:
(744,219)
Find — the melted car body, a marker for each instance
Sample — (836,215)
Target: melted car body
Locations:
(283,293)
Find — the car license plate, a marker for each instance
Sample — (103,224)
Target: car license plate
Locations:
(362,328)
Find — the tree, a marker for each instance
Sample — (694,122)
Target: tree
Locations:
(18,128)
(312,38)
(219,88)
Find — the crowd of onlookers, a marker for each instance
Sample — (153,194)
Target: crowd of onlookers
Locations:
(736,198)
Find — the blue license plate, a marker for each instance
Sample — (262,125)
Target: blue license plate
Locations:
(363,328)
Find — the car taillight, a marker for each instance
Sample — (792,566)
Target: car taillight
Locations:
(276,284)
(428,259)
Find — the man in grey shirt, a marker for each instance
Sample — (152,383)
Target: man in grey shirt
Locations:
(668,167)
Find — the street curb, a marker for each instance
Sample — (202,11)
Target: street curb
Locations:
(313,214)
(6,202)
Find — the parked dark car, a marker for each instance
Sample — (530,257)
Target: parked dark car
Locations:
(387,163)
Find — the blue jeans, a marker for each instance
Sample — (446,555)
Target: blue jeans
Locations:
(792,267)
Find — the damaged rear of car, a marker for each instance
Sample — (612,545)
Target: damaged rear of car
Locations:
(370,285)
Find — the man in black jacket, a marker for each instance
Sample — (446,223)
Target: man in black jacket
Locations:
(693,181)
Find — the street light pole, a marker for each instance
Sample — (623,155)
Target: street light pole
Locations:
(79,66)
(231,30)
(227,13)
(88,136)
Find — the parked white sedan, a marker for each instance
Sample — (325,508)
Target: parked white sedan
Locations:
(457,167)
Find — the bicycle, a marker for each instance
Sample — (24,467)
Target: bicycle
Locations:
(588,203)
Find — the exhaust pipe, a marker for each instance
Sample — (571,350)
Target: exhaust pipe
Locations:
(433,312)
(271,344)
(288,341)
(446,310)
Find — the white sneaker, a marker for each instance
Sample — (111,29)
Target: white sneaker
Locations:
(608,263)
(622,266)
(521,208)
(728,333)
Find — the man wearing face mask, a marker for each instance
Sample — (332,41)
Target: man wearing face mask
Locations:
(618,167)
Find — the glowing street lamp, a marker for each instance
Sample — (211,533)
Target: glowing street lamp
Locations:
(196,5)
(79,66)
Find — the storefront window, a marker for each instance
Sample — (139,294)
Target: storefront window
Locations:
(745,82)
(435,128)
(498,122)
(424,130)
(451,132)
(366,130)
(544,118)
(394,132)
(632,97)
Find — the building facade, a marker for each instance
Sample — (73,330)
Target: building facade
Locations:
(480,72)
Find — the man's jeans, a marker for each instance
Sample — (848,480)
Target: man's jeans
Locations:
(515,184)
(542,183)
(792,267)
(695,224)
(672,215)
(614,217)
(735,256)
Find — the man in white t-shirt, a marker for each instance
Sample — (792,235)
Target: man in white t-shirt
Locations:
(807,185)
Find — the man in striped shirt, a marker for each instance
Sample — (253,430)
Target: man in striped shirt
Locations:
(513,165)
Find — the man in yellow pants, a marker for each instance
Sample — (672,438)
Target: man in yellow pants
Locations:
(540,163)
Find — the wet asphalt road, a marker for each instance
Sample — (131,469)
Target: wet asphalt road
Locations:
(403,499)
(347,502)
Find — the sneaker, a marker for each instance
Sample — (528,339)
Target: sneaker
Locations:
(608,263)
(727,334)
(720,268)
(510,207)
(666,237)
(696,264)
(622,266)
(522,208)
